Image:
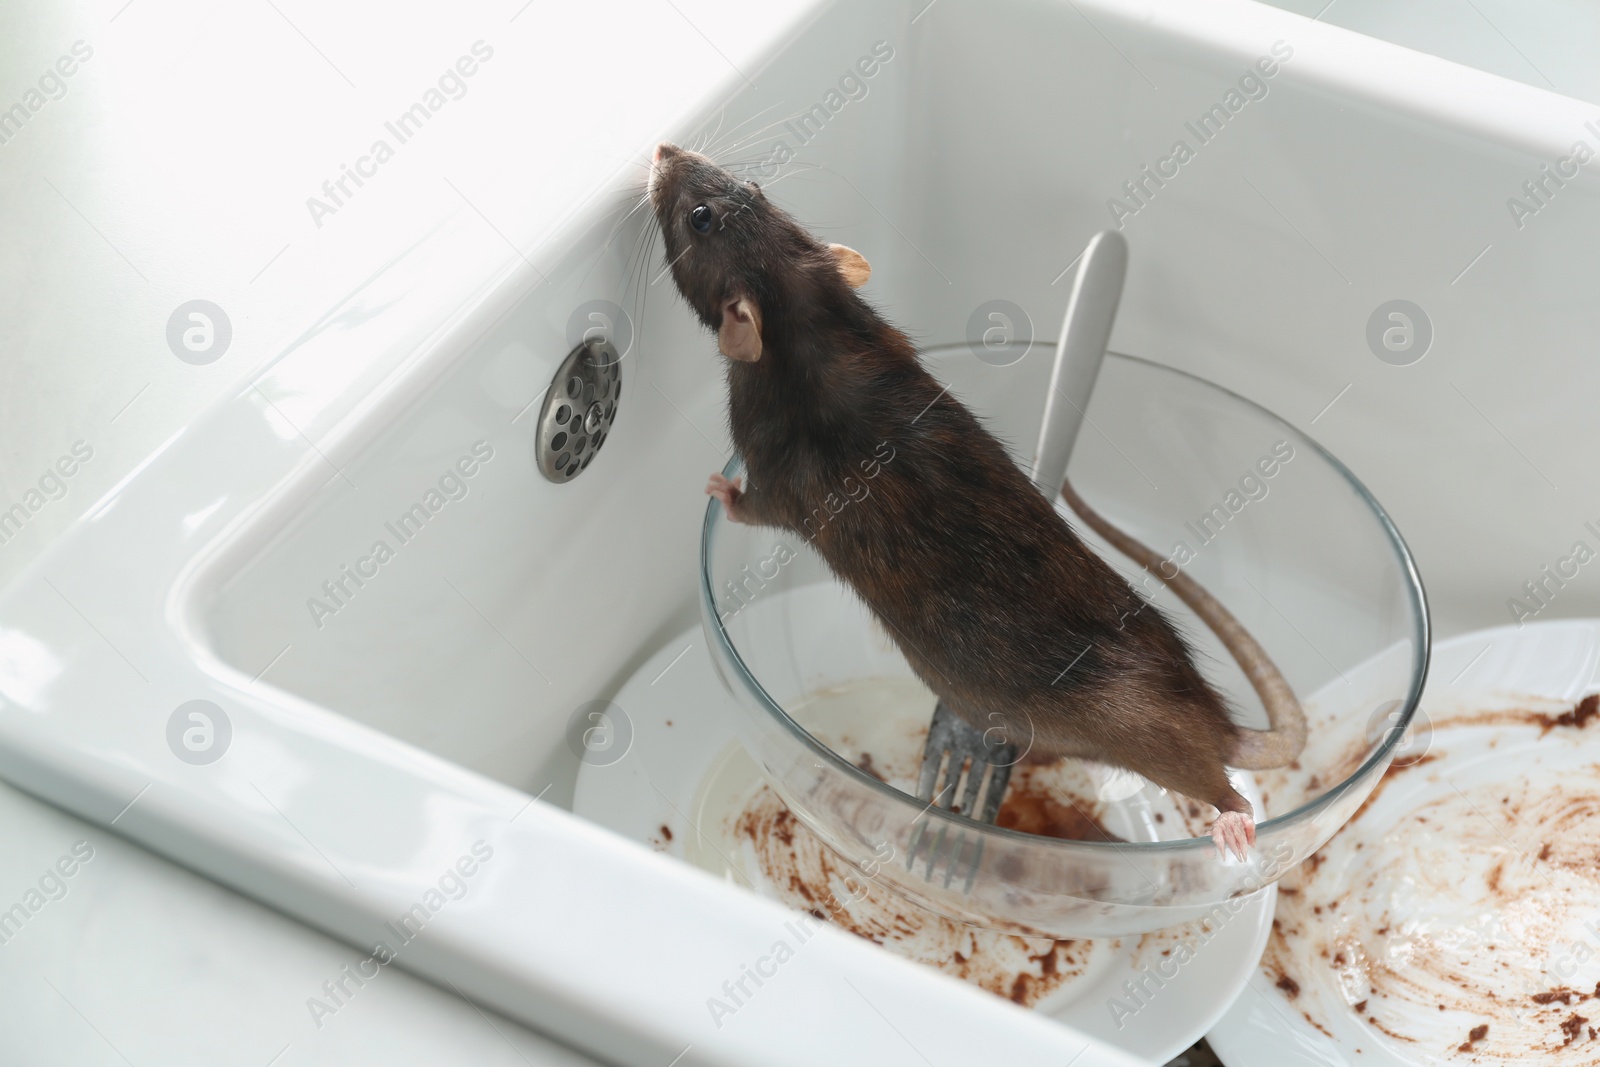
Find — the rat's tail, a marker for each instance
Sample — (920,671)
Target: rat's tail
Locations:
(1257,750)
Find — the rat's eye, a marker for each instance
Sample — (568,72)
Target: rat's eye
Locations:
(700,219)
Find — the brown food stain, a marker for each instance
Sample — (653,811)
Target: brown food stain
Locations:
(1032,807)
(1563,823)
(1576,717)
(1372,1021)
(812,879)
(1394,771)
(1579,716)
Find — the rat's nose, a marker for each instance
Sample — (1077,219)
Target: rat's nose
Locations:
(665,150)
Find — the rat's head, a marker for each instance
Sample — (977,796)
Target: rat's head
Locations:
(732,251)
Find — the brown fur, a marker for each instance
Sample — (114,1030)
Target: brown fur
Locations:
(996,603)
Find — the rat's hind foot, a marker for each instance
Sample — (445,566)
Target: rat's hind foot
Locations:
(1235,831)
(728,493)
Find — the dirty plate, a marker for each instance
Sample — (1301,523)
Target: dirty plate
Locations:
(1456,919)
(668,773)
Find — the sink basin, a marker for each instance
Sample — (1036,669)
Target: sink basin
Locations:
(354,747)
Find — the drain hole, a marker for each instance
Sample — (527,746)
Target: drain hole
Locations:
(576,415)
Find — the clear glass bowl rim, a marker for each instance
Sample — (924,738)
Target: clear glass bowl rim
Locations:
(1421,645)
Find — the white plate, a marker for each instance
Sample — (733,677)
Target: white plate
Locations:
(674,721)
(1454,912)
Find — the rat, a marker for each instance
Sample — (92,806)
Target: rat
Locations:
(996,603)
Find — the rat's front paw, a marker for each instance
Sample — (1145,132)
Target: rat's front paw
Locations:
(727,493)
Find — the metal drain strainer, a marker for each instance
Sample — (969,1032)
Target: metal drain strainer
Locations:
(578,410)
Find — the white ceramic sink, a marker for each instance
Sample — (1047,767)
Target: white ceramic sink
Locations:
(373,747)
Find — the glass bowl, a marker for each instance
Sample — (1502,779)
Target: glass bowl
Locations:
(1258,513)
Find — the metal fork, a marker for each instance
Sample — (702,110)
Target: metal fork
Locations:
(955,746)
(963,753)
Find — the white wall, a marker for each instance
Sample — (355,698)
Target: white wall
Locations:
(178,163)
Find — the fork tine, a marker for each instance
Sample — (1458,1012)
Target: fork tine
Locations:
(1000,757)
(934,853)
(999,778)
(952,780)
(946,782)
(976,773)
(932,757)
(916,845)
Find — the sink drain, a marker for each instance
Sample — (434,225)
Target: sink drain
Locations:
(578,411)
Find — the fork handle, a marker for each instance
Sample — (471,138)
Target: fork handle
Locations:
(1091,310)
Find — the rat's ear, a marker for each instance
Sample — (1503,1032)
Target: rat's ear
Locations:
(852,264)
(739,336)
